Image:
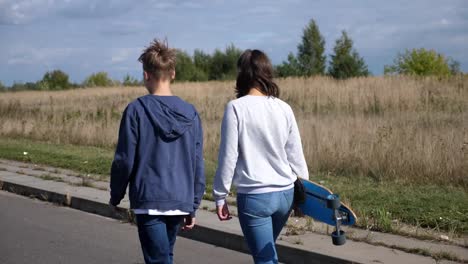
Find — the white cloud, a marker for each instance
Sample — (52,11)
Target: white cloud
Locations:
(163,5)
(95,8)
(23,11)
(267,9)
(41,56)
(444,22)
(124,54)
(85,36)
(257,37)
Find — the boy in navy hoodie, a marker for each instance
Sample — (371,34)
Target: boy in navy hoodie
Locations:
(160,156)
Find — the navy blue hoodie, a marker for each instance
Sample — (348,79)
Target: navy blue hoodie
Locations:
(160,154)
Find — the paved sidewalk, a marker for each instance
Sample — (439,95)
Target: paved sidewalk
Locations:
(307,248)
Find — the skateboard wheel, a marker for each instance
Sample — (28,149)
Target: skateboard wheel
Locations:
(338,239)
(333,201)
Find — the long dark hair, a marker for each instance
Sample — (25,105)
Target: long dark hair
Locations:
(255,71)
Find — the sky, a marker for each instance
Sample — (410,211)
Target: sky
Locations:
(81,37)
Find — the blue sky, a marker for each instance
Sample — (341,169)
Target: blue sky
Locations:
(86,36)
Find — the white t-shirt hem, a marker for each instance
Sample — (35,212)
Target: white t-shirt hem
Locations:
(157,212)
(267,189)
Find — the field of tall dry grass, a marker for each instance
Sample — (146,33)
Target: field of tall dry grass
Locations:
(388,128)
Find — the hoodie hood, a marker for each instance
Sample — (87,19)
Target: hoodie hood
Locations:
(169,115)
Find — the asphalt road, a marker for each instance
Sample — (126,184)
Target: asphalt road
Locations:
(33,231)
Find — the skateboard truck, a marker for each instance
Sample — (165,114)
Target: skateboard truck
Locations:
(338,236)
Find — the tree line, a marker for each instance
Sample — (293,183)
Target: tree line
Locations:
(59,80)
(345,62)
(201,66)
(309,60)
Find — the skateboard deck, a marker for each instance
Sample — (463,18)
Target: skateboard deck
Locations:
(315,206)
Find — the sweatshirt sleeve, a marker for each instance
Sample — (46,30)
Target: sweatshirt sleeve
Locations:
(199,168)
(228,153)
(124,158)
(294,150)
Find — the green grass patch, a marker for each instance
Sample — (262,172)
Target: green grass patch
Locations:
(378,203)
(83,159)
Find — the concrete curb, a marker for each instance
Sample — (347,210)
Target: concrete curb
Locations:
(78,203)
(236,242)
(203,233)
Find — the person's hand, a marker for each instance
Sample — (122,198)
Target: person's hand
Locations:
(223,212)
(297,212)
(189,223)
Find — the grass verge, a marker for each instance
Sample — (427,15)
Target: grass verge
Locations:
(380,205)
(83,159)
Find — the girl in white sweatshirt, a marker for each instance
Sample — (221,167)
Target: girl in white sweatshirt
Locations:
(261,154)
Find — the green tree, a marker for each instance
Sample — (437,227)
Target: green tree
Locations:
(99,79)
(420,62)
(31,86)
(55,80)
(202,61)
(310,52)
(199,75)
(217,65)
(289,67)
(129,80)
(2,87)
(454,66)
(18,86)
(346,62)
(223,65)
(185,68)
(42,86)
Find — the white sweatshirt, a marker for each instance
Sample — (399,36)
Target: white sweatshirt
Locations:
(260,148)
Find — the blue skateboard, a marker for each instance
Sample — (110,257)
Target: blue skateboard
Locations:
(324,206)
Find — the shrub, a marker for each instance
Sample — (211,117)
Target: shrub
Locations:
(55,80)
(224,64)
(130,81)
(99,79)
(420,62)
(2,87)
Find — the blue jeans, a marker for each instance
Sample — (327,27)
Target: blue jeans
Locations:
(262,216)
(157,237)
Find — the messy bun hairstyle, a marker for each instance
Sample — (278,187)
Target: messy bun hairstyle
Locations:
(255,71)
(158,59)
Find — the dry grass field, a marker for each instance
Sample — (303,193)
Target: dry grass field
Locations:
(387,128)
